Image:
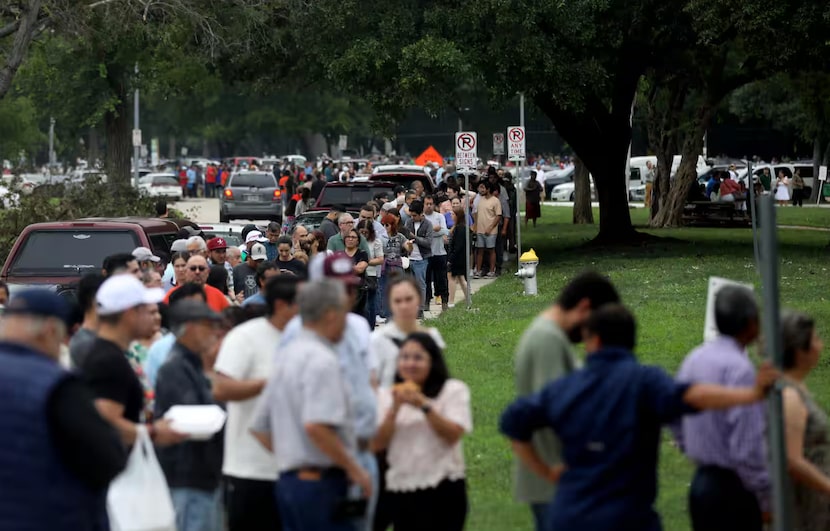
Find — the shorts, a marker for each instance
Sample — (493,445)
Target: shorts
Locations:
(485,241)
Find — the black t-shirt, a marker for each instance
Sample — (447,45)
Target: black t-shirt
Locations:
(293,265)
(244,280)
(109,375)
(86,443)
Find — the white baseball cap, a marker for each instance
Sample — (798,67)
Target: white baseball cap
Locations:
(120,293)
(143,254)
(178,246)
(255,236)
(258,252)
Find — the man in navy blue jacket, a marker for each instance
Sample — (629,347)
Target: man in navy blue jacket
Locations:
(608,417)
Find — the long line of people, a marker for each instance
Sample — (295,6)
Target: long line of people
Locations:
(332,424)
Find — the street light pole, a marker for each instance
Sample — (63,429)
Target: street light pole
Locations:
(520,188)
(136,132)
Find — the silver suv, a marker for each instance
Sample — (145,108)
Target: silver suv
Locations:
(251,195)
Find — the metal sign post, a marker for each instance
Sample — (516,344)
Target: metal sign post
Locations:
(781,509)
(467,239)
(753,202)
(516,142)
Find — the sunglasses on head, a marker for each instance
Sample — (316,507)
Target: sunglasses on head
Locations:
(198,268)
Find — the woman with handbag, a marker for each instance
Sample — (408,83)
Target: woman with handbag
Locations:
(457,262)
(361,262)
(395,253)
(366,228)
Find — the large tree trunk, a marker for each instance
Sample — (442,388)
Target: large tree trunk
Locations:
(583,213)
(171,148)
(119,138)
(671,211)
(818,144)
(27,26)
(665,101)
(608,171)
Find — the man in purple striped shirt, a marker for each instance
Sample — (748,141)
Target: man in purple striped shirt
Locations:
(731,486)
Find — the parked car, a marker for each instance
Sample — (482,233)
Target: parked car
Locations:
(556,177)
(404,175)
(806,171)
(81,177)
(251,195)
(161,185)
(352,195)
(230,232)
(566,192)
(312,219)
(57,254)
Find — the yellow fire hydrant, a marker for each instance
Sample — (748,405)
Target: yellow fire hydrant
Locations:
(528,261)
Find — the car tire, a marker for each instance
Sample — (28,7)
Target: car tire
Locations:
(573,196)
(223,218)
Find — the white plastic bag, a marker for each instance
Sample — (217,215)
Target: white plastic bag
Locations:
(139,499)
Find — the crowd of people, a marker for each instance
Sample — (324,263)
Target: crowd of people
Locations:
(334,425)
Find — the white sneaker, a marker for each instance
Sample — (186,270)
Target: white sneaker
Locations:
(450,305)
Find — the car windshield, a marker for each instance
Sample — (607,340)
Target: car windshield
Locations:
(165,181)
(351,196)
(253,180)
(48,252)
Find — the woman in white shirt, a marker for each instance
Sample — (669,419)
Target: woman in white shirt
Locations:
(422,421)
(366,228)
(403,299)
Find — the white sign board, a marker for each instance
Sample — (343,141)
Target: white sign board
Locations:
(516,142)
(343,142)
(710,329)
(136,137)
(466,157)
(822,173)
(498,144)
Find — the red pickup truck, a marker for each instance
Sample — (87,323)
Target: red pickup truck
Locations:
(57,254)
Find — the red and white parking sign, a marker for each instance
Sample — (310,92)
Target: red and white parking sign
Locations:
(466,154)
(516,142)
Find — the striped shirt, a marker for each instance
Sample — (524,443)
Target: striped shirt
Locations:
(733,438)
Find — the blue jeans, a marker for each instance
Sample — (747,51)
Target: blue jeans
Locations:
(372,308)
(419,269)
(310,504)
(197,510)
(369,463)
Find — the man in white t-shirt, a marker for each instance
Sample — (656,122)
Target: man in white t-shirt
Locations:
(242,369)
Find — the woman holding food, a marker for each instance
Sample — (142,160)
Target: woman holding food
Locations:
(422,419)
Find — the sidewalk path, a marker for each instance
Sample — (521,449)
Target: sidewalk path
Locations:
(475,285)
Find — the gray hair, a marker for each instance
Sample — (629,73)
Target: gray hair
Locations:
(735,309)
(345,217)
(316,298)
(197,240)
(234,252)
(796,335)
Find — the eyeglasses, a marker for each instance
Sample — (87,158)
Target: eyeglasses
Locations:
(198,268)
(347,222)
(351,237)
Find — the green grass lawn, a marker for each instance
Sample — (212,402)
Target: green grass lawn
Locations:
(663,283)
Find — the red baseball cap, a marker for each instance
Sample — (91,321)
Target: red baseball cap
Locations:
(340,266)
(214,244)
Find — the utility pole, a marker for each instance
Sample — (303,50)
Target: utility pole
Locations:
(519,189)
(136,132)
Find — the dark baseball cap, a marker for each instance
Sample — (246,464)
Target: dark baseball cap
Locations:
(186,311)
(40,303)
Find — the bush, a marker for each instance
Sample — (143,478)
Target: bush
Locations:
(58,202)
